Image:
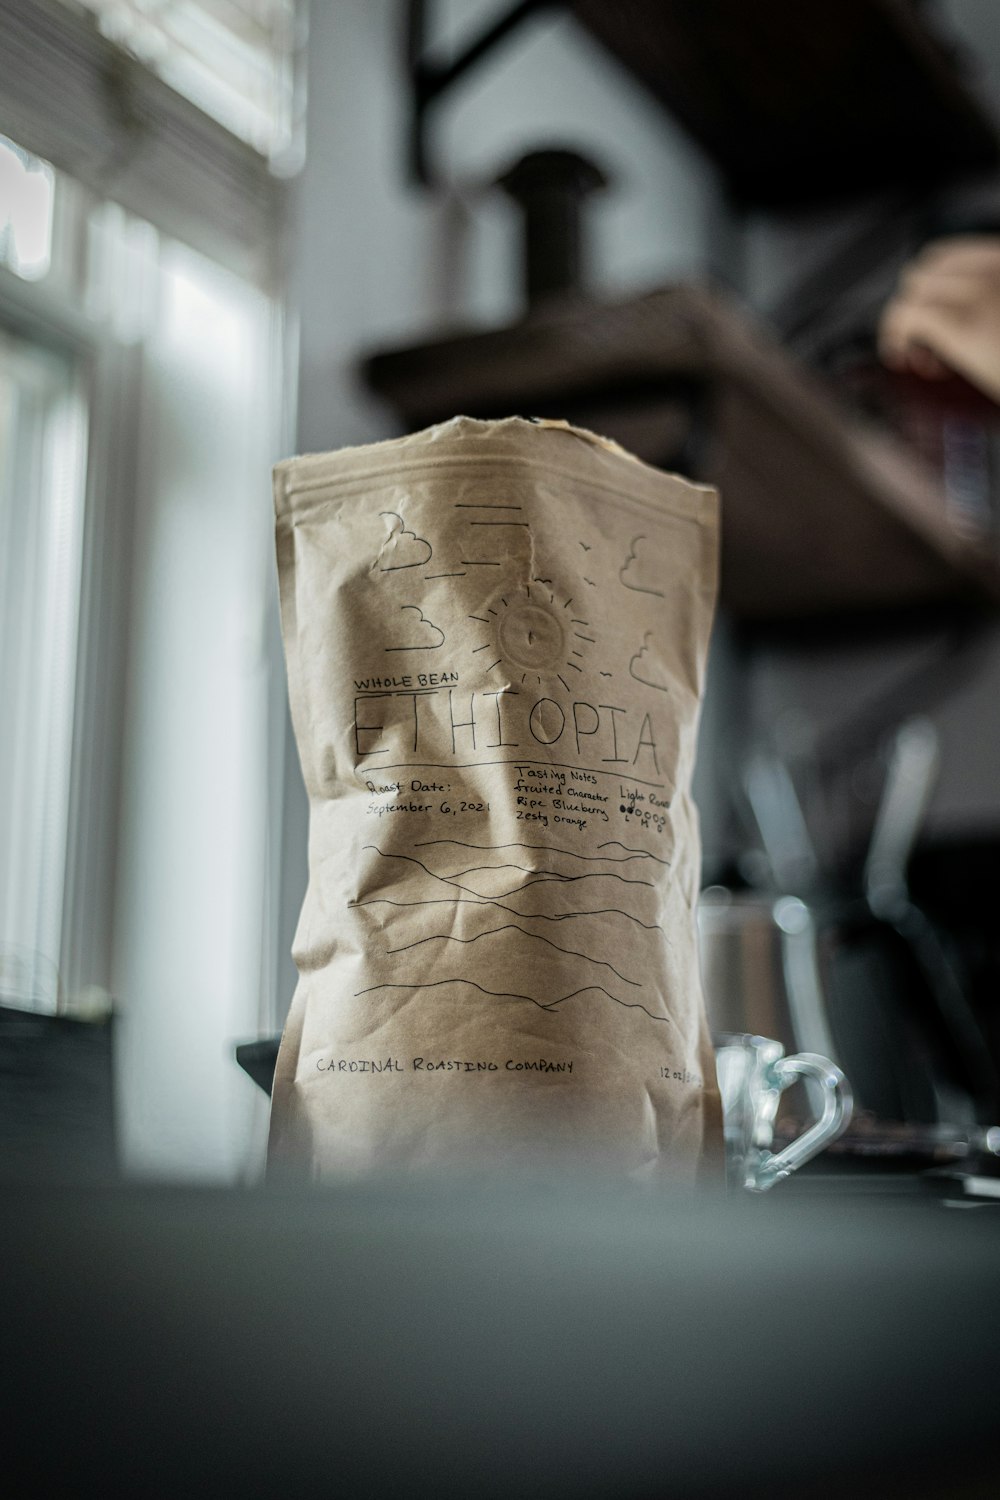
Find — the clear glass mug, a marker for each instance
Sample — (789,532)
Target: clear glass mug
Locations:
(753,1073)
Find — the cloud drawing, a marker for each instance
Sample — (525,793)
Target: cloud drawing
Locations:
(646,668)
(423,628)
(401,548)
(637,572)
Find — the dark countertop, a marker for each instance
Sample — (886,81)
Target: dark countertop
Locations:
(510,1339)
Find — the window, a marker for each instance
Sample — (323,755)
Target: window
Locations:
(143,397)
(233,58)
(188,115)
(26,192)
(77,297)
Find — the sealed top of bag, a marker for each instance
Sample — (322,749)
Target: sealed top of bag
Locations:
(466,441)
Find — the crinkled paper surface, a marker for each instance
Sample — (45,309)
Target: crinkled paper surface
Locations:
(496,637)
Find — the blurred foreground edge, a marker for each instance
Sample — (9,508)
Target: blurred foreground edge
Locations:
(499,1338)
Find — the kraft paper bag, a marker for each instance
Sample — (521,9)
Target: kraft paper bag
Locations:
(496,636)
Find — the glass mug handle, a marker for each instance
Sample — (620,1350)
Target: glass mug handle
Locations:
(771,1167)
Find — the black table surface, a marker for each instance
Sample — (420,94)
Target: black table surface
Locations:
(542,1338)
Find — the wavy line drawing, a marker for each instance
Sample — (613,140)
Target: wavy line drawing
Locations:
(617,844)
(633,557)
(629,1005)
(656,676)
(528,870)
(436,983)
(550,1005)
(400,547)
(547,849)
(446,937)
(526,916)
(544,878)
(425,646)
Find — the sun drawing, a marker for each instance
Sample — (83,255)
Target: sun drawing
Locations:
(535,635)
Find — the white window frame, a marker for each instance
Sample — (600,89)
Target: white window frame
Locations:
(73,97)
(108,372)
(118,133)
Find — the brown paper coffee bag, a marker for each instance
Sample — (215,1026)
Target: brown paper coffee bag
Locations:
(496,636)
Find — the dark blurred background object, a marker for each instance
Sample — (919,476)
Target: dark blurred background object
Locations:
(56,1099)
(551,187)
(803,104)
(796,105)
(823,517)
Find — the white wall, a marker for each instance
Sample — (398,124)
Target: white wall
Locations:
(192,857)
(379,262)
